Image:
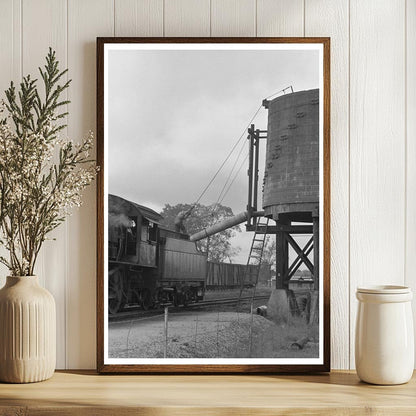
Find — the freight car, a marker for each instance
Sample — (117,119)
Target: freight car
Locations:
(149,264)
(223,276)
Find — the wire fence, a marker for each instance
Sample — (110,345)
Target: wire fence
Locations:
(192,335)
(210,334)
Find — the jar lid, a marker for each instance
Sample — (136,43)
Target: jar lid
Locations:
(384,289)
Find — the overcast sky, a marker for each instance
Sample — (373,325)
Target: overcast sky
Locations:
(175,115)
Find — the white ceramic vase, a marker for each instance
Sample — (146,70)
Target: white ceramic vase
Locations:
(384,340)
(27,331)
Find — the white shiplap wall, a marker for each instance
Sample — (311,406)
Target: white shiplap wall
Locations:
(373,131)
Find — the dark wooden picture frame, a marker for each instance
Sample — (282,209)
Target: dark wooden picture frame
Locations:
(104,367)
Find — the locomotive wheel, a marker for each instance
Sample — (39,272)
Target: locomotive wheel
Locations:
(115,293)
(186,298)
(160,296)
(176,299)
(146,299)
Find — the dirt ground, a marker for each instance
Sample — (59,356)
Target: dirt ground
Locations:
(202,334)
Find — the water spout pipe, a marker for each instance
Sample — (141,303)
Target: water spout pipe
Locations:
(223,225)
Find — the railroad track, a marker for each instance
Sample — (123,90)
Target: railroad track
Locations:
(137,313)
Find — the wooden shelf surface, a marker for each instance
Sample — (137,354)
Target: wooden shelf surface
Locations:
(86,393)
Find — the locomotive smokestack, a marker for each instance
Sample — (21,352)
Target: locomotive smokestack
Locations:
(223,225)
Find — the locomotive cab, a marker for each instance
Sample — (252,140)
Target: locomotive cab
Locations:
(147,246)
(133,232)
(132,253)
(131,237)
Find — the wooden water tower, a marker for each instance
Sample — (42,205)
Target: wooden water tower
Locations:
(291,180)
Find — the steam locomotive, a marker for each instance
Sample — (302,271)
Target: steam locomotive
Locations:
(149,264)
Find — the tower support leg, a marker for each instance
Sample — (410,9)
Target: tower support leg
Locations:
(282,260)
(314,314)
(316,252)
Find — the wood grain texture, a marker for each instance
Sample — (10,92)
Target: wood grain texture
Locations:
(86,19)
(208,368)
(44,25)
(330,18)
(410,279)
(138,18)
(87,393)
(10,43)
(377,152)
(10,65)
(280,18)
(100,203)
(187,18)
(233,18)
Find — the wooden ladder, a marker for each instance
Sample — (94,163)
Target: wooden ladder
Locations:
(255,255)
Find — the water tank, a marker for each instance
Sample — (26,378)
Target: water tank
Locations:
(291,179)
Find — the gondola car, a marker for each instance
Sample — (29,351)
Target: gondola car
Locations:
(149,264)
(224,276)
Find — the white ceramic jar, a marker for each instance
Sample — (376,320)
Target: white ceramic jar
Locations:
(384,340)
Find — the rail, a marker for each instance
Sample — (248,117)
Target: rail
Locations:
(136,313)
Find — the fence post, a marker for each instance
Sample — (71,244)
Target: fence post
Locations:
(165,353)
(218,333)
(196,331)
(251,331)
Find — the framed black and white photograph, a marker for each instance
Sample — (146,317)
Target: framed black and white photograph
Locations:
(213,205)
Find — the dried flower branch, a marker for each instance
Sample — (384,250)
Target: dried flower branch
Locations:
(41,176)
